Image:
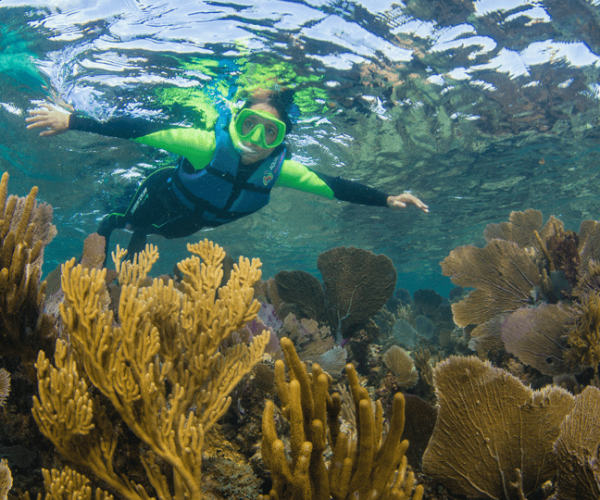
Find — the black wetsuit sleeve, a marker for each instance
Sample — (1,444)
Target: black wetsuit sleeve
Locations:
(122,127)
(354,192)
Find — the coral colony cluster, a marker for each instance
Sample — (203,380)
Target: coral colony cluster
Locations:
(213,383)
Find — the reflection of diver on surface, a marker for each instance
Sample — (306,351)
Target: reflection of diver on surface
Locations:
(222,175)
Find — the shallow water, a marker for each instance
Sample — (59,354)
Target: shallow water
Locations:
(479,108)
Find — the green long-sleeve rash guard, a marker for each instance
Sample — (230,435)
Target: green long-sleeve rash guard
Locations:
(198,146)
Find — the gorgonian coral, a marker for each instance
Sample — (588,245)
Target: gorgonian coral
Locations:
(536,292)
(584,337)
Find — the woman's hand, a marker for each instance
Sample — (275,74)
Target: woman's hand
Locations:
(53,118)
(401,200)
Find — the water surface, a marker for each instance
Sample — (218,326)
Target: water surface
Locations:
(479,108)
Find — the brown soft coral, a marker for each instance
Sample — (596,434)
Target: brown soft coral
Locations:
(504,276)
(25,229)
(533,284)
(584,337)
(536,336)
(488,421)
(577,449)
(519,228)
(357,283)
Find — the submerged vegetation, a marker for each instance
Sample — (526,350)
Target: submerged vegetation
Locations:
(176,387)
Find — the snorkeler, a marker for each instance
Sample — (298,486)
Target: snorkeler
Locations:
(222,174)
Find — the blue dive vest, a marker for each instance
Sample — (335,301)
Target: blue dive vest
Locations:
(215,192)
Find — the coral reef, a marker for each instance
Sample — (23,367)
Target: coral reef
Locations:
(25,229)
(357,284)
(488,421)
(577,449)
(5,479)
(373,466)
(161,368)
(536,292)
(401,365)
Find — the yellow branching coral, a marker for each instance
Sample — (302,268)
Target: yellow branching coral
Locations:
(162,368)
(371,466)
(25,229)
(70,485)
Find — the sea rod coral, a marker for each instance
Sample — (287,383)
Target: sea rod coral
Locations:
(162,367)
(373,465)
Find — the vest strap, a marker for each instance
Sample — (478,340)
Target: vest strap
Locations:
(201,206)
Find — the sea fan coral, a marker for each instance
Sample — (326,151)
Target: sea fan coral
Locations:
(577,449)
(536,336)
(402,366)
(502,273)
(519,228)
(488,422)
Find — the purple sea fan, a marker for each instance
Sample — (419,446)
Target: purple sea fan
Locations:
(537,336)
(254,328)
(269,317)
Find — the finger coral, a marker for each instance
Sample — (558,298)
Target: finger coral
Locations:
(371,466)
(494,436)
(161,367)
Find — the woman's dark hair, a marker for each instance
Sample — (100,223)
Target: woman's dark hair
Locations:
(281,100)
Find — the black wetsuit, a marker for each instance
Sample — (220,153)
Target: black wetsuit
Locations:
(163,205)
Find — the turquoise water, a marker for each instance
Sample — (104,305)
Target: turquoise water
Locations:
(479,108)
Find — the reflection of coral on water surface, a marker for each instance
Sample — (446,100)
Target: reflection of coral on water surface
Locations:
(213,383)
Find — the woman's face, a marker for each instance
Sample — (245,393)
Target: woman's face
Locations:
(253,152)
